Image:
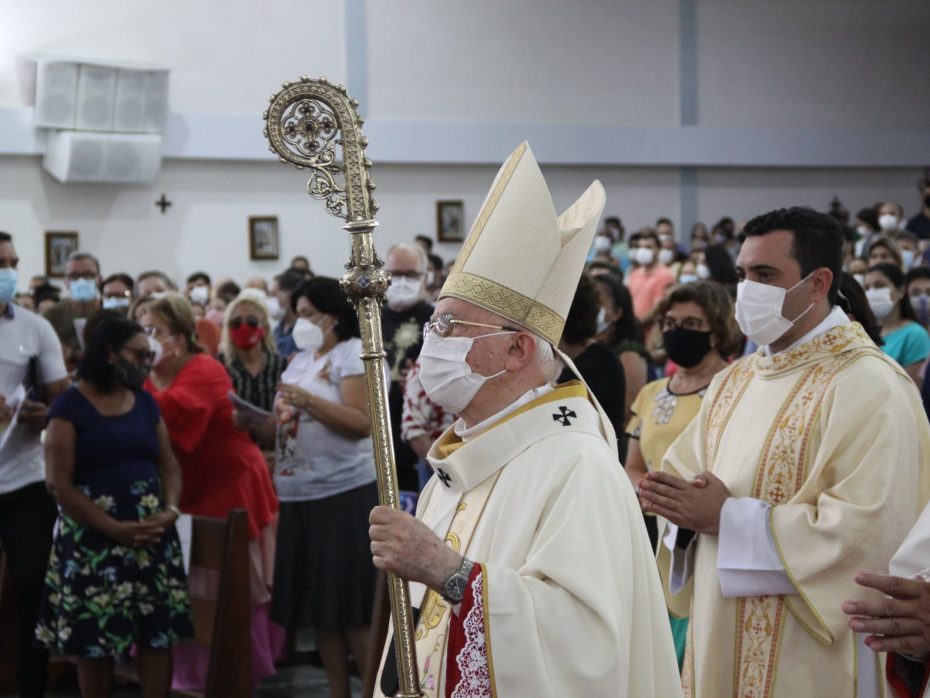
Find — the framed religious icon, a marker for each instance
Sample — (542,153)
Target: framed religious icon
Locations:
(450,221)
(263,237)
(57,248)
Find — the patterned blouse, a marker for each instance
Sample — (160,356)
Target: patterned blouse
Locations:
(260,389)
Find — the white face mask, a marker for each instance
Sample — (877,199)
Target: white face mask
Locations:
(644,255)
(687,278)
(155,346)
(888,221)
(308,336)
(880,301)
(758,311)
(446,377)
(703,271)
(403,292)
(602,323)
(666,256)
(863,231)
(200,295)
(907,257)
(601,243)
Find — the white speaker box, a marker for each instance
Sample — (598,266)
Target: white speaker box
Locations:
(129,114)
(96,97)
(82,156)
(56,94)
(156,101)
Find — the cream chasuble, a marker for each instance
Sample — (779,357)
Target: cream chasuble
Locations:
(566,600)
(833,436)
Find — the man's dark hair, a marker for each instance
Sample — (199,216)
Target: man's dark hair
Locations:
(868,216)
(124,279)
(290,279)
(199,276)
(818,239)
(106,330)
(917,273)
(228,291)
(612,269)
(666,221)
(581,323)
(649,235)
(720,265)
(5,237)
(427,240)
(327,296)
(44,292)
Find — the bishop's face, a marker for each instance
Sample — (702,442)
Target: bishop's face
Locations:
(487,355)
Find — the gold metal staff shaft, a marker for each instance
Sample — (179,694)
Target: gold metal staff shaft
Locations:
(305,122)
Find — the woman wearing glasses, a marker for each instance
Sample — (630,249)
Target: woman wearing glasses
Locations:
(325,477)
(699,333)
(221,467)
(115,577)
(247,349)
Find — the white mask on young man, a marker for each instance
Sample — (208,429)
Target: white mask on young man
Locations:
(666,256)
(644,255)
(199,295)
(759,311)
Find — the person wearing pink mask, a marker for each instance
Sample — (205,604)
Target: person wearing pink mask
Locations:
(248,352)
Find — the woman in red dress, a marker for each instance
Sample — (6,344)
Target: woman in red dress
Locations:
(222,469)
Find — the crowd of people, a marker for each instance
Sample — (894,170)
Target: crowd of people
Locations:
(158,399)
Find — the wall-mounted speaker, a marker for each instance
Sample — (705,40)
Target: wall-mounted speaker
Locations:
(96,97)
(56,94)
(129,107)
(82,156)
(156,101)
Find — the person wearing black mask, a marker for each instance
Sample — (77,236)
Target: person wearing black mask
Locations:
(699,333)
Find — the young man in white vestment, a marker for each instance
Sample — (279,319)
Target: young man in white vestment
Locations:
(806,463)
(546,584)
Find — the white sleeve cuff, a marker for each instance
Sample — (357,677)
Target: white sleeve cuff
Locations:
(747,561)
(682,567)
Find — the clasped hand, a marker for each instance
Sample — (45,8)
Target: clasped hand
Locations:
(138,534)
(405,546)
(694,504)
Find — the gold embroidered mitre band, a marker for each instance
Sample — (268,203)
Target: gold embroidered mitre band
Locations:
(520,260)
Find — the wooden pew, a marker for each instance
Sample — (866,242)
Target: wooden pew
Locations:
(222,621)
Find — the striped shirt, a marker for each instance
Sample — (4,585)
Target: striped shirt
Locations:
(260,389)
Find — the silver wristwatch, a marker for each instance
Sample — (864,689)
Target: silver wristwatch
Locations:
(453,589)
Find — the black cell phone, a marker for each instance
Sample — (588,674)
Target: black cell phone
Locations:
(35,389)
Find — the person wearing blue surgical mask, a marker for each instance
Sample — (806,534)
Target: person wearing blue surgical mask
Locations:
(82,279)
(917,282)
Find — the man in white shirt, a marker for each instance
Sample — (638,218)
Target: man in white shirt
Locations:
(804,465)
(32,374)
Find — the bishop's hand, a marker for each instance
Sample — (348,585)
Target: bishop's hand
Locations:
(405,546)
(695,505)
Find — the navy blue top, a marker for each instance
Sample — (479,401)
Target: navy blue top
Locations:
(113,455)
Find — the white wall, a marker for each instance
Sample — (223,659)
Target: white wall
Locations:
(451,87)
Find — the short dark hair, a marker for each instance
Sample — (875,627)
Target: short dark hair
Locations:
(328,297)
(717,305)
(606,266)
(666,221)
(44,292)
(895,275)
(818,239)
(228,291)
(124,279)
(199,276)
(106,331)
(290,279)
(916,273)
(435,260)
(581,323)
(426,239)
(649,235)
(868,216)
(5,237)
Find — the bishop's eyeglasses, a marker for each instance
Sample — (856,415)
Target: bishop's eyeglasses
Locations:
(445,324)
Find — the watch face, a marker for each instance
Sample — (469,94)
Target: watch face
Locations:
(455,587)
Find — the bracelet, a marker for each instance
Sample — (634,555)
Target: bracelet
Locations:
(174,510)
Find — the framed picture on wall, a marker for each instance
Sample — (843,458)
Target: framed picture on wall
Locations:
(450,221)
(57,248)
(263,237)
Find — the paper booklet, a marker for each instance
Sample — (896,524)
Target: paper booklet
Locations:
(248,411)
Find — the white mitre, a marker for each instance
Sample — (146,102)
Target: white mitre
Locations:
(520,260)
